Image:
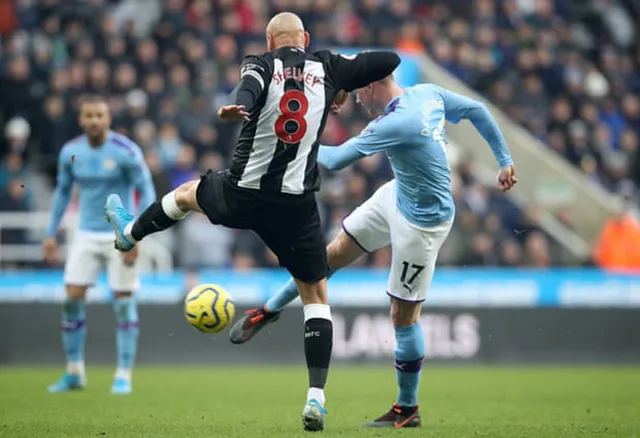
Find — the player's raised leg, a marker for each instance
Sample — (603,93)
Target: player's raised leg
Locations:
(409,354)
(163,214)
(341,252)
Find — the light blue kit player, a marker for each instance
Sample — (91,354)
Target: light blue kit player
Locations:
(99,162)
(413,213)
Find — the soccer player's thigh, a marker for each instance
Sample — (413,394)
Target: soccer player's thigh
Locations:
(83,265)
(414,251)
(221,203)
(368,226)
(294,233)
(122,277)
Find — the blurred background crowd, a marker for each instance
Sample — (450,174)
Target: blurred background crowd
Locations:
(566,70)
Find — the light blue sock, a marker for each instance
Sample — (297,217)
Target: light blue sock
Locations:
(408,362)
(126,333)
(74,332)
(284,296)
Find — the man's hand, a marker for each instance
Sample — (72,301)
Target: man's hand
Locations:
(130,257)
(50,250)
(339,100)
(507,178)
(233,113)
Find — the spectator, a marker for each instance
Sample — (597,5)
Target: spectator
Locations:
(618,248)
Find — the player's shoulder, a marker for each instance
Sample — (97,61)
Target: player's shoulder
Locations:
(328,57)
(261,63)
(389,122)
(72,146)
(260,59)
(426,88)
(323,55)
(124,145)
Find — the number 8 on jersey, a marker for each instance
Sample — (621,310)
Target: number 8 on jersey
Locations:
(291,126)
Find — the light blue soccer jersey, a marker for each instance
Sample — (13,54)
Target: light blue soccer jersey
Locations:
(117,166)
(411,131)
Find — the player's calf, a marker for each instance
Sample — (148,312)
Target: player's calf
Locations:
(163,214)
(408,358)
(126,313)
(318,343)
(73,328)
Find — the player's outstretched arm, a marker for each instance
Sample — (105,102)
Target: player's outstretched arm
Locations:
(353,72)
(378,136)
(338,157)
(458,107)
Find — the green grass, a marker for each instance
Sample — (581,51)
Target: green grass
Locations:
(255,402)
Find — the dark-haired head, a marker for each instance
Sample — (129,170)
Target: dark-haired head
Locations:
(95,118)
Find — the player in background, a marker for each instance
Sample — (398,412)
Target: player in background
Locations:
(99,162)
(284,97)
(413,213)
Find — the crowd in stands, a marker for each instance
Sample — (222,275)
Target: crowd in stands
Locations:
(566,73)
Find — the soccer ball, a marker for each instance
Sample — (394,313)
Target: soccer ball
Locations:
(209,308)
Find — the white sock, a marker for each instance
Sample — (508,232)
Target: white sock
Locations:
(321,311)
(76,368)
(170,207)
(123,373)
(317,394)
(127,232)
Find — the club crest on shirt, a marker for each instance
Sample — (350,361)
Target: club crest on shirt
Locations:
(109,164)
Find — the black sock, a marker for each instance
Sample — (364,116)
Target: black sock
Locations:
(152,220)
(318,342)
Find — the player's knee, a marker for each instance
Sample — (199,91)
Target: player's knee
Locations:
(76,292)
(313,293)
(342,251)
(404,314)
(186,196)
(120,295)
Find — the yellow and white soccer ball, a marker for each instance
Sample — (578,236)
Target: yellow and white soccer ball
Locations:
(209,308)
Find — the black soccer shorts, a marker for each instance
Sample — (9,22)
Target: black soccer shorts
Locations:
(288,224)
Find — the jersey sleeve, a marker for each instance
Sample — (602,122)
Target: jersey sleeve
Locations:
(379,135)
(356,71)
(62,193)
(459,107)
(338,157)
(254,77)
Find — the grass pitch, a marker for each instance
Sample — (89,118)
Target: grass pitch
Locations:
(257,402)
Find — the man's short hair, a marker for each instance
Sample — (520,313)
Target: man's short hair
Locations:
(93,98)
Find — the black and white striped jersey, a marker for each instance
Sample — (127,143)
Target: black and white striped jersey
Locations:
(288,94)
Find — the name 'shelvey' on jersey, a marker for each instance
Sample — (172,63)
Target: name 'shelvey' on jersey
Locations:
(297,74)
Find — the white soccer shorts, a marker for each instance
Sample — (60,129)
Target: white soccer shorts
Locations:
(414,250)
(88,254)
